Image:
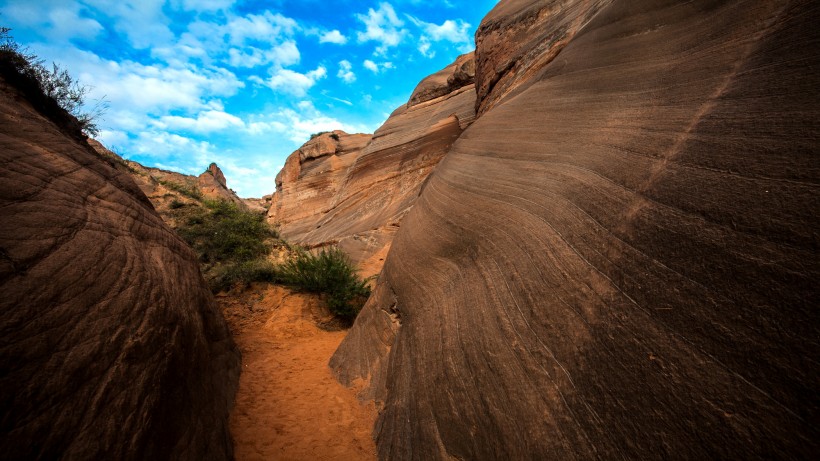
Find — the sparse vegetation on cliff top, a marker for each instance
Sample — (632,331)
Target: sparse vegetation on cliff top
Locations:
(52,91)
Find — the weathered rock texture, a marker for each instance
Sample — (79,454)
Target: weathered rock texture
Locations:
(619,258)
(358,201)
(310,180)
(112,346)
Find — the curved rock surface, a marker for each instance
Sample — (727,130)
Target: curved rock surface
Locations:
(619,258)
(112,346)
(359,202)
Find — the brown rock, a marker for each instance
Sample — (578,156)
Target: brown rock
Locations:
(619,258)
(312,176)
(213,186)
(112,346)
(259,205)
(457,75)
(359,201)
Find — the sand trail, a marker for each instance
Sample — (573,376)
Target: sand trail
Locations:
(289,406)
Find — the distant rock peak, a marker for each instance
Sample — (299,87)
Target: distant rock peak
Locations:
(214,170)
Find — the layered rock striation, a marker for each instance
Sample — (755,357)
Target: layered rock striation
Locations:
(358,199)
(619,258)
(112,346)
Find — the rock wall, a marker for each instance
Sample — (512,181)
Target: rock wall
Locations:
(359,202)
(112,346)
(619,258)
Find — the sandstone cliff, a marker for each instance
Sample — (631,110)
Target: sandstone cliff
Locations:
(112,346)
(619,258)
(358,199)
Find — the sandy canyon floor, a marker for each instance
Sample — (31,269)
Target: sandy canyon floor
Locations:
(289,406)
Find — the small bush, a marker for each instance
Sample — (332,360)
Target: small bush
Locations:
(328,272)
(176,204)
(184,189)
(257,270)
(221,232)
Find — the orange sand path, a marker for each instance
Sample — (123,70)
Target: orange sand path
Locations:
(289,406)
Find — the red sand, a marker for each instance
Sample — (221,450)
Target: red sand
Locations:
(289,406)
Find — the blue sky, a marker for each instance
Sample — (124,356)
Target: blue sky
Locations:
(242,83)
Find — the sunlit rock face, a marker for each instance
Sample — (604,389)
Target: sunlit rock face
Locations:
(112,346)
(354,190)
(619,258)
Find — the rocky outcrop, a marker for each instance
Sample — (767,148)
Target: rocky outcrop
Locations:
(308,183)
(259,205)
(168,190)
(453,77)
(619,258)
(112,346)
(213,186)
(377,184)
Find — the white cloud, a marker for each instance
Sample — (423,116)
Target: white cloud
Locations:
(238,41)
(370,65)
(299,125)
(377,68)
(142,21)
(163,145)
(136,93)
(382,26)
(205,122)
(451,31)
(113,139)
(58,22)
(154,89)
(346,71)
(292,82)
(333,36)
(424,48)
(204,5)
(343,101)
(264,27)
(285,54)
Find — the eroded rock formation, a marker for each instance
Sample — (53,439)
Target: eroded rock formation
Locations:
(312,176)
(619,258)
(112,346)
(358,201)
(169,189)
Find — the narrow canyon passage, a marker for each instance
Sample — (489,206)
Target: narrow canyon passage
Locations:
(289,406)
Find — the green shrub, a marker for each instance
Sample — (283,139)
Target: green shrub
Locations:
(328,272)
(233,244)
(176,204)
(258,270)
(222,232)
(184,189)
